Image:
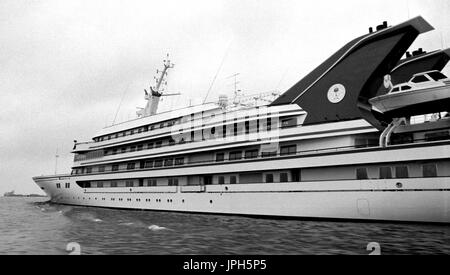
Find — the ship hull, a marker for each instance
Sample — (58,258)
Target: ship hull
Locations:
(406,200)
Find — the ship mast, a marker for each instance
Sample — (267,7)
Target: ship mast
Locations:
(156,92)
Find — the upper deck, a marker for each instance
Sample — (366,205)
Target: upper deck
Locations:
(182,121)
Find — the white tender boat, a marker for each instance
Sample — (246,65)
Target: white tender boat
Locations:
(424,92)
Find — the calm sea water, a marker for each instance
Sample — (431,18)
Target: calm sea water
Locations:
(32,226)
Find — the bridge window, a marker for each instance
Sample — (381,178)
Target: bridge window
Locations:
(159,163)
(148,164)
(233,180)
(401,172)
(129,183)
(88,170)
(179,161)
(268,154)
(115,167)
(99,184)
(437,136)
(173,182)
(284,177)
(140,147)
(131,166)
(288,150)
(269,178)
(168,162)
(251,154)
(289,122)
(429,170)
(151,182)
(221,180)
(114,184)
(150,146)
(269,124)
(385,173)
(220,157)
(171,142)
(101,169)
(236,155)
(361,174)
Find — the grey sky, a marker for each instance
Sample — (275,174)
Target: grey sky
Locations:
(65,65)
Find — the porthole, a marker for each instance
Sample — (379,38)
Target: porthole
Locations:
(399,185)
(210,201)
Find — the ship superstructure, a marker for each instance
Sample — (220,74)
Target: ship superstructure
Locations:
(320,150)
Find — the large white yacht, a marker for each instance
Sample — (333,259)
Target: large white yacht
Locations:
(320,150)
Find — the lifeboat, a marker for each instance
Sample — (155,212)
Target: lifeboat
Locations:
(427,92)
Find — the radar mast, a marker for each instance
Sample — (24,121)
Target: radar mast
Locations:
(156,92)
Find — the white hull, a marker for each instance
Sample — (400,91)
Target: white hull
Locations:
(418,200)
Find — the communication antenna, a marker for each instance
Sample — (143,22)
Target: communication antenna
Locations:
(235,83)
(120,104)
(217,73)
(56,161)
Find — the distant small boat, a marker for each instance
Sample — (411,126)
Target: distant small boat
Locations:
(13,194)
(9,194)
(425,92)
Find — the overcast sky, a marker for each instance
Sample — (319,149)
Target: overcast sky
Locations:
(65,65)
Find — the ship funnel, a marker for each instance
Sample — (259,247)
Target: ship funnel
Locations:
(357,70)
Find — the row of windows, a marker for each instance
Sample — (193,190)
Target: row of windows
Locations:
(137,147)
(385,172)
(162,143)
(254,153)
(288,122)
(129,183)
(400,172)
(66,185)
(138,130)
(133,165)
(232,156)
